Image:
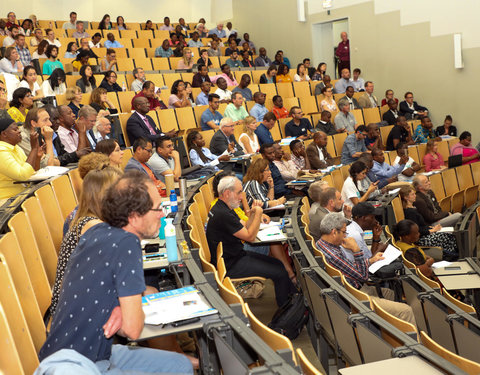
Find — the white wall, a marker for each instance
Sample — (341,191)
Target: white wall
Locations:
(134,11)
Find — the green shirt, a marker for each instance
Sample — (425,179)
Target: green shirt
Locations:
(235,114)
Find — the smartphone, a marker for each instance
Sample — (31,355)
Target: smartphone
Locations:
(41,140)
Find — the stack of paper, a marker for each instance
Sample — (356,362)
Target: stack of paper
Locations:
(390,254)
(441,264)
(272,233)
(174,305)
(446,230)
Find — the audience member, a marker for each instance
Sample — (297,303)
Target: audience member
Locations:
(121,24)
(204,59)
(222,91)
(262,59)
(285,59)
(308,68)
(324,124)
(411,166)
(72,50)
(52,63)
(37,38)
(357,82)
(233,61)
(283,161)
(55,84)
(88,82)
(299,157)
(218,31)
(429,236)
(11,62)
(141,125)
(270,76)
(411,108)
(390,116)
(325,199)
(258,185)
(202,98)
(464,147)
(319,72)
(164,50)
(12,20)
(109,82)
(15,165)
(302,74)
(407,234)
(200,29)
(232,47)
(38,118)
(299,126)
(29,81)
(108,146)
(9,40)
(51,38)
(110,60)
(354,145)
(235,110)
(351,100)
(334,243)
(328,102)
(224,140)
(317,153)
(269,152)
(21,103)
(85,46)
(27,27)
(447,128)
(139,75)
(79,32)
(105,23)
(225,226)
(214,50)
(211,118)
(278,109)
(227,75)
(73,140)
(81,59)
(324,83)
(345,120)
(111,42)
(186,62)
(200,155)
(100,102)
(248,139)
(400,133)
(166,24)
(95,41)
(427,205)
(148,91)
(342,84)
(385,173)
(368,100)
(343,53)
(283,74)
(263,129)
(259,110)
(389,95)
(22,49)
(243,87)
(165,160)
(201,76)
(352,192)
(100,132)
(424,132)
(373,139)
(179,95)
(247,61)
(74,96)
(433,160)
(3,102)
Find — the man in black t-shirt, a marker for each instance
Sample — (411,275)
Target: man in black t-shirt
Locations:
(225,226)
(401,132)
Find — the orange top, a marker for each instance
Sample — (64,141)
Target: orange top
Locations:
(159,184)
(284,78)
(280,112)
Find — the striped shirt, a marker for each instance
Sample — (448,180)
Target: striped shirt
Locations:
(256,190)
(355,272)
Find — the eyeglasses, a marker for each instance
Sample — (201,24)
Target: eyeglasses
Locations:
(344,231)
(156,209)
(149,150)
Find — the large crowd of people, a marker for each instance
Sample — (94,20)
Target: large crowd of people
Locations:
(116,209)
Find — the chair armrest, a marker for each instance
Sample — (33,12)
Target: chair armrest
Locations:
(434,252)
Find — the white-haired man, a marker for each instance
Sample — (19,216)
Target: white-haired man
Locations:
(225,226)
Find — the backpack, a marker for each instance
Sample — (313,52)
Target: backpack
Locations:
(290,318)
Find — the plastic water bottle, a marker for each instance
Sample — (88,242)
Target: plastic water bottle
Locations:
(161,232)
(171,241)
(124,88)
(173,201)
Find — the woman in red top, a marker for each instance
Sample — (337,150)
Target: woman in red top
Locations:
(278,109)
(433,160)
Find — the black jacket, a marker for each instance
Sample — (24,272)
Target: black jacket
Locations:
(136,128)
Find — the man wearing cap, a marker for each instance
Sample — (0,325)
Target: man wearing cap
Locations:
(334,242)
(14,164)
(259,110)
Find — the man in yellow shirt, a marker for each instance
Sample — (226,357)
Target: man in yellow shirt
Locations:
(14,164)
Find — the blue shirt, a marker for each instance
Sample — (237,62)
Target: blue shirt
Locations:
(50,66)
(258,111)
(196,160)
(114,44)
(106,265)
(384,171)
(160,52)
(422,135)
(351,146)
(208,116)
(292,130)
(263,134)
(202,99)
(341,85)
(278,182)
(220,33)
(192,43)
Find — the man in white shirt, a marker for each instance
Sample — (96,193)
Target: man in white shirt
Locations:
(95,42)
(38,37)
(222,91)
(351,100)
(72,23)
(10,40)
(101,130)
(51,38)
(71,140)
(137,84)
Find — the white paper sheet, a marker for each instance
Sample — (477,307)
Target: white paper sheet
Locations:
(441,264)
(272,233)
(446,230)
(278,207)
(270,224)
(390,254)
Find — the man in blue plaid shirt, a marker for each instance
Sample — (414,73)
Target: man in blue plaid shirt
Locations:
(334,230)
(22,49)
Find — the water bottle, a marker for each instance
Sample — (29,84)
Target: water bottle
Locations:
(171,241)
(161,232)
(173,201)
(124,88)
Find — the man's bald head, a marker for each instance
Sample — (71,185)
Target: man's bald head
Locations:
(141,105)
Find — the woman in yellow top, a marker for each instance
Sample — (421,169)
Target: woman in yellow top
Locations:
(81,60)
(22,101)
(407,233)
(14,164)
(282,74)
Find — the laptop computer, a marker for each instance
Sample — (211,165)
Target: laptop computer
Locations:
(454,161)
